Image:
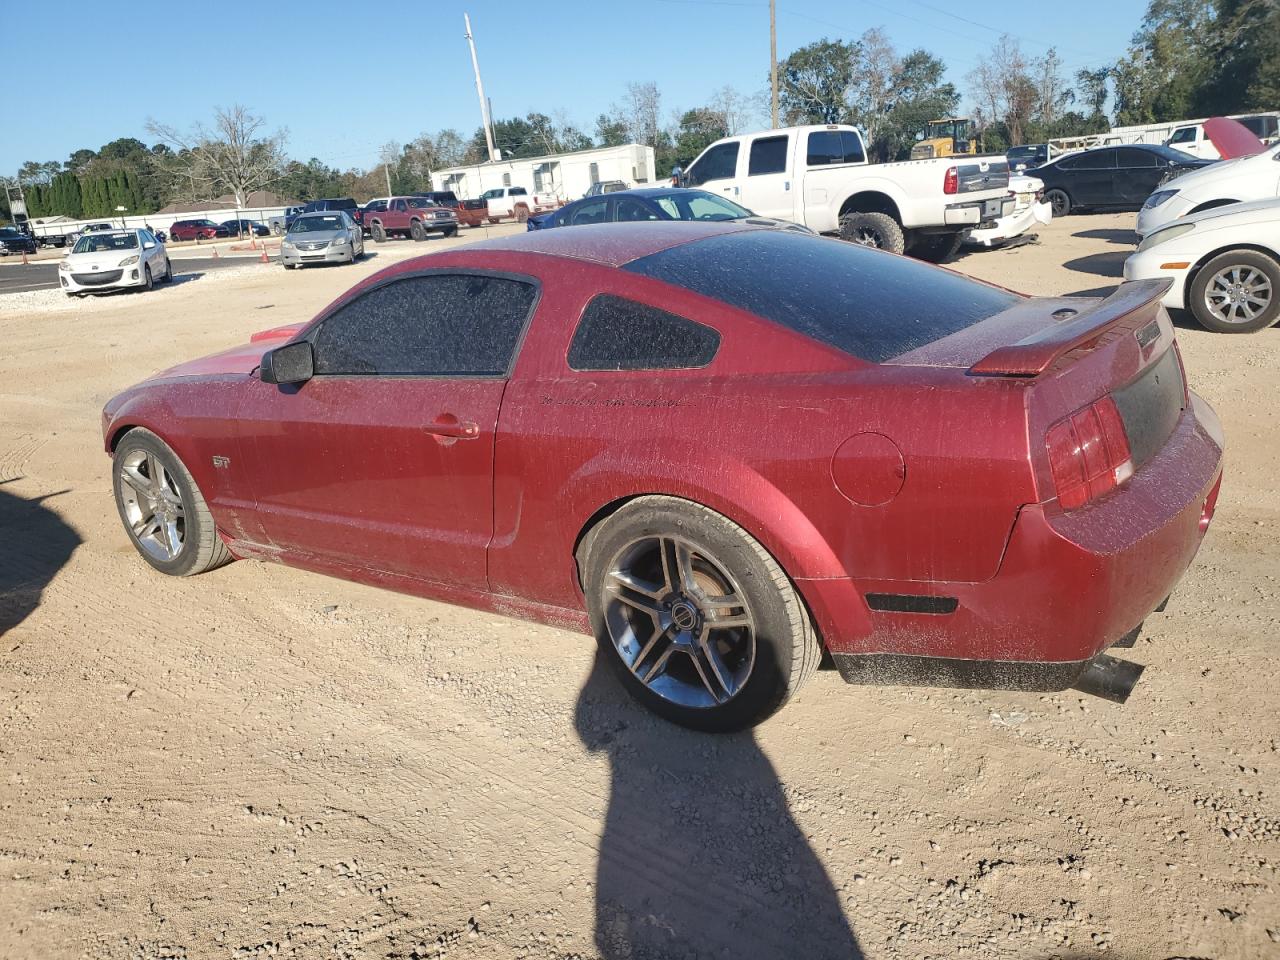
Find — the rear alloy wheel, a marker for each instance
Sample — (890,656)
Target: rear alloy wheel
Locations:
(417,231)
(1060,202)
(937,247)
(163,512)
(379,235)
(701,623)
(1236,292)
(877,230)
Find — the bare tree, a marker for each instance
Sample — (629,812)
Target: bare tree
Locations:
(738,111)
(870,94)
(1053,92)
(235,152)
(640,111)
(1004,89)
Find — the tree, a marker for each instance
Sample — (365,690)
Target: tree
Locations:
(611,130)
(41,173)
(1052,93)
(814,82)
(1168,63)
(1006,93)
(697,129)
(1091,90)
(1244,72)
(236,153)
(640,112)
(736,109)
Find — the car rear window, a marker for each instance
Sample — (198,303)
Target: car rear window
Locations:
(867,303)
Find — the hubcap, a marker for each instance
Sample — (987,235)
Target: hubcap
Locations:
(1238,294)
(679,622)
(153,507)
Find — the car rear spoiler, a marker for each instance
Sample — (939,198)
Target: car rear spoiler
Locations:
(1031,356)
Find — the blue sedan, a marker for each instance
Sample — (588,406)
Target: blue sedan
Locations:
(653,203)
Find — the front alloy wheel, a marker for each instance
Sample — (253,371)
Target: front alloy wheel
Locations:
(1236,292)
(152,506)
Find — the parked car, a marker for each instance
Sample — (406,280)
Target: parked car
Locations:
(13,240)
(196,230)
(819,176)
(415,217)
(112,259)
(1110,178)
(250,228)
(329,236)
(1196,140)
(280,223)
(71,238)
(352,208)
(1255,177)
(470,213)
(1029,208)
(952,500)
(605,186)
(1027,156)
(517,203)
(653,203)
(1224,264)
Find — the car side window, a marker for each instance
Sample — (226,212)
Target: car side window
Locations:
(461,325)
(827,147)
(768,155)
(399,205)
(1131,158)
(718,163)
(630,210)
(1097,160)
(592,211)
(1183,135)
(619,334)
(376,206)
(518,192)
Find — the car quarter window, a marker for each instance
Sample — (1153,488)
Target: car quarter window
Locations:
(619,334)
(718,163)
(593,211)
(630,210)
(462,325)
(768,155)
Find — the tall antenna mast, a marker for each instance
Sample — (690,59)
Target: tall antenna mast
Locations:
(484,104)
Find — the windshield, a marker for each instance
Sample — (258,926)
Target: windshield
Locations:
(317,223)
(829,290)
(9,232)
(699,205)
(102,243)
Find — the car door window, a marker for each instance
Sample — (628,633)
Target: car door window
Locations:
(631,210)
(1131,158)
(768,155)
(828,147)
(1097,160)
(718,163)
(1183,135)
(593,211)
(462,325)
(399,205)
(619,334)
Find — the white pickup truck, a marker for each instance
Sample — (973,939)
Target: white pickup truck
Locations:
(508,202)
(819,176)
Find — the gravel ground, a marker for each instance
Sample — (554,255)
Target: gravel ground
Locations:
(266,762)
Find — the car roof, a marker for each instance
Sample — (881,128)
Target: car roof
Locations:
(614,244)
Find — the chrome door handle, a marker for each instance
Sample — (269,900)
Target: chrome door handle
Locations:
(448,428)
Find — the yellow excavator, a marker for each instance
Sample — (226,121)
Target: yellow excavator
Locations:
(945,138)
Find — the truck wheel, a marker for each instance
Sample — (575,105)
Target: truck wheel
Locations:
(937,247)
(451,231)
(379,235)
(1060,202)
(873,230)
(522,214)
(416,231)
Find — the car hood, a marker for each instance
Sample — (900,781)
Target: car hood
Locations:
(105,260)
(242,359)
(1219,171)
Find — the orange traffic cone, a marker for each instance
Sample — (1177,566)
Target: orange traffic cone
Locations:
(265,258)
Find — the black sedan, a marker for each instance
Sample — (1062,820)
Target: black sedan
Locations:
(245,228)
(652,203)
(1111,178)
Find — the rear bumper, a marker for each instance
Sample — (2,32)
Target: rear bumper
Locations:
(974,212)
(1014,225)
(1069,586)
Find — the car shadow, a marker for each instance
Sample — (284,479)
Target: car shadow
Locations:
(1110,264)
(700,856)
(1126,237)
(35,544)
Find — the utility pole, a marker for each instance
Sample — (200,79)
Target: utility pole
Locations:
(773,62)
(387,172)
(484,104)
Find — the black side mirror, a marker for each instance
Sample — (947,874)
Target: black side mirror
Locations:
(292,363)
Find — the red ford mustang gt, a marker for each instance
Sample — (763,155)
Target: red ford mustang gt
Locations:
(723,449)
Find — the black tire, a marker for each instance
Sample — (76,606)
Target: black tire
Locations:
(451,231)
(147,282)
(937,247)
(873,230)
(290,266)
(493,219)
(1060,202)
(168,270)
(202,549)
(275,230)
(417,231)
(379,235)
(786,648)
(1246,261)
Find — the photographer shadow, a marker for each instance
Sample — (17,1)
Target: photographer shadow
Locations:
(700,856)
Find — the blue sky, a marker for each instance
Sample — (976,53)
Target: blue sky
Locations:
(344,78)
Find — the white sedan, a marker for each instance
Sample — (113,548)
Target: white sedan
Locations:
(111,259)
(1029,208)
(1224,264)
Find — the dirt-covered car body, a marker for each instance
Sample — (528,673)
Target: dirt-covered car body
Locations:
(965,486)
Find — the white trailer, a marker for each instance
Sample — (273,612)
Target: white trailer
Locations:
(1185,135)
(566,175)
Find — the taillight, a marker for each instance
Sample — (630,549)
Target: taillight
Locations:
(1088,453)
(951,182)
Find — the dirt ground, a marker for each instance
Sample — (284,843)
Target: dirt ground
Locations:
(267,762)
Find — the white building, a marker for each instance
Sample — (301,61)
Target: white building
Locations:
(567,175)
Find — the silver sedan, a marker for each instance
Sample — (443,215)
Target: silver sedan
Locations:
(327,237)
